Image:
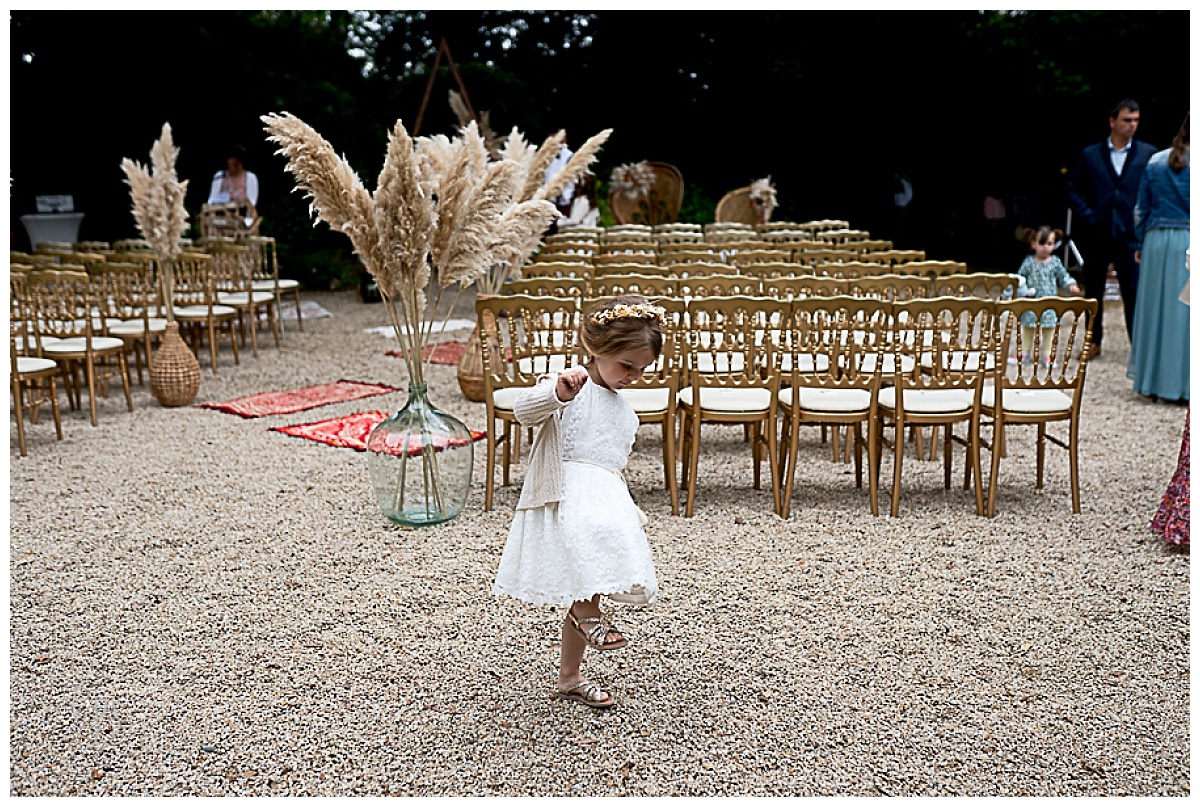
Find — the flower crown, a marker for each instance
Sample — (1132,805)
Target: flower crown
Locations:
(626,311)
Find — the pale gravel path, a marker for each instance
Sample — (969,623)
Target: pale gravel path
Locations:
(202,606)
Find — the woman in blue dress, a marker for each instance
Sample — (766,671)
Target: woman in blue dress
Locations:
(1159,355)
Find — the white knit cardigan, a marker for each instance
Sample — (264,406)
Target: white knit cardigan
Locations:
(539,406)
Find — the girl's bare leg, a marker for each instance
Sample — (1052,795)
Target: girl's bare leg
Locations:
(573,645)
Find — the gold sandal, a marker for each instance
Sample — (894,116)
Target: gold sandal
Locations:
(587,693)
(594,636)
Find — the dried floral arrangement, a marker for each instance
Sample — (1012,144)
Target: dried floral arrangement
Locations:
(632,180)
(458,105)
(157,196)
(441,211)
(762,198)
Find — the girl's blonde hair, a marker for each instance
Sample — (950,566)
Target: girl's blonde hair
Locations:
(628,322)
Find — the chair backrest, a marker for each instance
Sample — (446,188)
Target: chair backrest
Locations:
(897,255)
(842,235)
(679,238)
(816,257)
(748,256)
(61,301)
(623,257)
(851,270)
(645,285)
(893,288)
(943,343)
(674,257)
(560,247)
(774,269)
(701,268)
(229,219)
(802,286)
(626,247)
(572,236)
(736,341)
(991,285)
(704,285)
(932,269)
(835,341)
(868,246)
(523,336)
(264,262)
(126,290)
(556,269)
(627,268)
(565,287)
(1066,338)
(131,244)
(821,225)
(563,257)
(231,265)
(192,280)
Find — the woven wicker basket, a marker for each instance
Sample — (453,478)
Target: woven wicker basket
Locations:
(174,370)
(470,368)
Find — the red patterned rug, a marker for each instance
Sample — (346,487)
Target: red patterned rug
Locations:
(441,353)
(297,400)
(352,431)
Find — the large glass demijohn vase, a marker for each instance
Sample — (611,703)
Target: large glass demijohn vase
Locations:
(420,460)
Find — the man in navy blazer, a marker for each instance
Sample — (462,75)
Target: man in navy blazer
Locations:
(1103,190)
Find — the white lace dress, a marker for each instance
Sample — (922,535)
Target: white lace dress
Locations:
(592,541)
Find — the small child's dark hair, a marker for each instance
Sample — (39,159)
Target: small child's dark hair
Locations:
(1042,235)
(628,322)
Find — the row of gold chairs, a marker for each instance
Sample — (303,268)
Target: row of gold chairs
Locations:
(886,284)
(732,252)
(825,230)
(871,364)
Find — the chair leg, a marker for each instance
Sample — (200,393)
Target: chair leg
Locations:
(1073,453)
(124,367)
(299,316)
(1041,453)
(91,379)
(896,467)
(490,477)
(668,436)
(993,477)
(756,453)
(18,393)
(789,466)
(693,462)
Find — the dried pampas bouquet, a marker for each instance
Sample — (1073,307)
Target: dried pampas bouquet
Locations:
(762,198)
(632,180)
(157,196)
(441,210)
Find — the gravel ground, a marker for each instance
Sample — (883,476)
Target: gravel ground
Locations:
(200,606)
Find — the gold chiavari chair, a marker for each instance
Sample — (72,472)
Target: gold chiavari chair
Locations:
(990,285)
(674,257)
(567,288)
(798,287)
(733,378)
(819,257)
(776,269)
(233,281)
(195,304)
(941,357)
(703,285)
(748,256)
(834,378)
(64,306)
(265,276)
(893,256)
(556,269)
(893,288)
(646,285)
(604,259)
(602,268)
(129,303)
(31,374)
(522,337)
(867,247)
(1041,392)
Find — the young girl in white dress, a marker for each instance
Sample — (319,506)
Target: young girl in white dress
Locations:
(576,533)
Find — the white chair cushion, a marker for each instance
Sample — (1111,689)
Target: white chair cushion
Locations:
(78,344)
(45,341)
(201,311)
(889,363)
(928,402)
(816,399)
(242,298)
(32,364)
(287,284)
(724,399)
(136,327)
(805,363)
(505,397)
(1030,401)
(647,400)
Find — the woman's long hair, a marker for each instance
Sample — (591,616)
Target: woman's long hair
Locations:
(1180,146)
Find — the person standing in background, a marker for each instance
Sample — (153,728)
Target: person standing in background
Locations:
(235,183)
(1158,359)
(1102,190)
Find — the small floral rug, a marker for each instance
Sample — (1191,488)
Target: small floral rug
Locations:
(286,402)
(352,431)
(449,352)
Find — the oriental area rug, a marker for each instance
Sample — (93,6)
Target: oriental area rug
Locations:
(352,431)
(450,352)
(286,402)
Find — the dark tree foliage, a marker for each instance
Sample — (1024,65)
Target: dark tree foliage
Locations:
(832,105)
